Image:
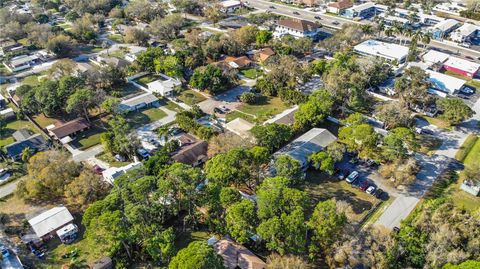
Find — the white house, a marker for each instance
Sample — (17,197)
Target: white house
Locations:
(138,102)
(47,223)
(465,32)
(7,113)
(442,84)
(21,62)
(112,173)
(381,49)
(164,86)
(296,28)
(230,6)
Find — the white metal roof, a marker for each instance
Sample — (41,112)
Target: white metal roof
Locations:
(466,29)
(444,83)
(433,56)
(382,49)
(462,64)
(230,3)
(446,25)
(50,220)
(363,6)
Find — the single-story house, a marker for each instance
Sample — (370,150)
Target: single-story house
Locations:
(229,6)
(388,51)
(462,67)
(192,151)
(46,224)
(112,173)
(35,142)
(165,86)
(64,132)
(238,62)
(435,57)
(313,141)
(240,127)
(8,113)
(236,256)
(139,102)
(9,45)
(339,7)
(21,62)
(442,84)
(263,54)
(112,61)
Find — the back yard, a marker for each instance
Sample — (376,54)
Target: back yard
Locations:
(145,116)
(191,97)
(262,111)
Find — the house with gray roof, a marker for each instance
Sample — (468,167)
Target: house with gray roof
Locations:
(138,102)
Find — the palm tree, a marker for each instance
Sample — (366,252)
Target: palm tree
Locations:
(165,132)
(408,33)
(426,38)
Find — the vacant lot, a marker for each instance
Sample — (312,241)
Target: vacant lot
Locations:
(437,122)
(191,97)
(145,116)
(321,187)
(473,156)
(466,147)
(266,108)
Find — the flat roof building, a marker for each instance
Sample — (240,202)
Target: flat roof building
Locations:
(434,56)
(443,28)
(112,173)
(460,66)
(50,221)
(381,49)
(445,84)
(465,32)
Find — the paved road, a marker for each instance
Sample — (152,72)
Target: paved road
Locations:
(8,189)
(328,20)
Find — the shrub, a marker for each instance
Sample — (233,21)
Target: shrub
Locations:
(249,98)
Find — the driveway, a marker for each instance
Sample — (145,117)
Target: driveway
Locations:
(227,99)
(8,189)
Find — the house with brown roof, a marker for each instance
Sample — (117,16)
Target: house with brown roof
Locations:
(263,54)
(65,132)
(192,151)
(231,62)
(296,28)
(236,256)
(339,6)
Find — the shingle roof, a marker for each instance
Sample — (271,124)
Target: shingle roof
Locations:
(70,127)
(34,142)
(237,256)
(297,24)
(192,153)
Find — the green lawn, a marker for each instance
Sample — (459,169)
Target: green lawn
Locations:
(321,187)
(116,38)
(186,238)
(44,121)
(128,89)
(461,198)
(265,109)
(467,145)
(146,79)
(12,126)
(32,80)
(191,97)
(474,155)
(142,117)
(171,105)
(252,73)
(89,138)
(470,82)
(108,158)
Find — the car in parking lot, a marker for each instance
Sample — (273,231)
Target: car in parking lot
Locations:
(379,193)
(467,90)
(143,153)
(363,185)
(4,251)
(352,177)
(371,190)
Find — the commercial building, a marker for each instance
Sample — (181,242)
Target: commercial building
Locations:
(443,29)
(462,67)
(388,51)
(465,32)
(229,6)
(296,28)
(311,142)
(47,223)
(442,84)
(138,102)
(362,11)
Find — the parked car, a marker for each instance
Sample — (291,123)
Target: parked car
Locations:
(467,90)
(427,131)
(272,7)
(225,109)
(218,110)
(335,23)
(97,169)
(364,185)
(176,131)
(4,251)
(371,190)
(370,162)
(352,177)
(379,193)
(143,153)
(465,44)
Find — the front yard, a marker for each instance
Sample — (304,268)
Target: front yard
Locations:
(145,116)
(251,73)
(116,38)
(264,109)
(321,187)
(191,97)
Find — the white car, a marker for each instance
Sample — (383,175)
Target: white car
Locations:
(370,190)
(352,177)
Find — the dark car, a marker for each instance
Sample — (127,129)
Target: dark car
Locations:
(335,23)
(296,13)
(364,185)
(378,193)
(427,131)
(272,7)
(318,17)
(218,110)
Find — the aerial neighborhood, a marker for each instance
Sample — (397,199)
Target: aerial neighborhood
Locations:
(240,134)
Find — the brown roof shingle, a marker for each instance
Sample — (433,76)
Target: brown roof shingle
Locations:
(192,153)
(297,24)
(70,127)
(237,256)
(342,4)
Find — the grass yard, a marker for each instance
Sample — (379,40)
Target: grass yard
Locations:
(44,121)
(251,73)
(461,198)
(88,138)
(466,147)
(187,237)
(170,105)
(147,79)
(237,114)
(265,109)
(128,89)
(473,156)
(428,144)
(321,187)
(12,126)
(31,80)
(437,122)
(108,158)
(116,38)
(191,97)
(145,116)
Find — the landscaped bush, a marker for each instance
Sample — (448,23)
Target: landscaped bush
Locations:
(466,147)
(249,98)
